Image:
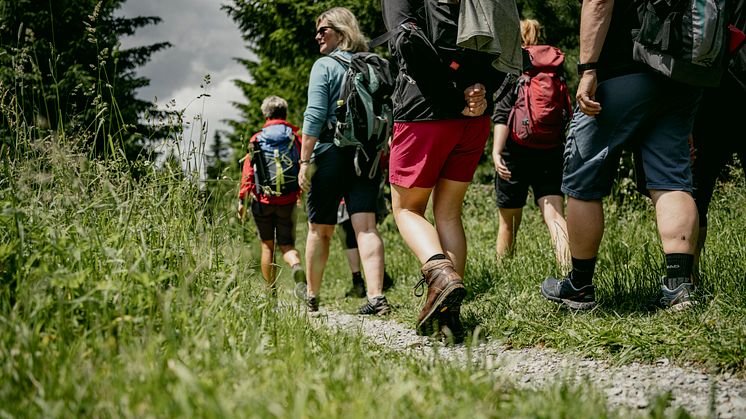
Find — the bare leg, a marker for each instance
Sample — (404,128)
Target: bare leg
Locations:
(677,219)
(554,217)
(509,221)
(268,261)
(290,254)
(370,246)
(585,227)
(353,259)
(448,198)
(317,254)
(409,205)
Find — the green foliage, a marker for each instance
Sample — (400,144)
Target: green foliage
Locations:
(62,71)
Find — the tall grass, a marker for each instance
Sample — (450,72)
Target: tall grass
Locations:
(130,297)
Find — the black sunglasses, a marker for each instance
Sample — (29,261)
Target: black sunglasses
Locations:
(322,29)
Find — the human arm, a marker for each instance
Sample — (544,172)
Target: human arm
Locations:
(306,151)
(247,185)
(501,133)
(595,17)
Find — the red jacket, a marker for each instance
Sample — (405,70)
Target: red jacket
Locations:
(247,175)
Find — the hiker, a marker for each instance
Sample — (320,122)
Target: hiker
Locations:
(349,243)
(328,172)
(273,212)
(522,161)
(717,126)
(619,100)
(441,107)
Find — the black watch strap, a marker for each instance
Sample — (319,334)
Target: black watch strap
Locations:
(586,66)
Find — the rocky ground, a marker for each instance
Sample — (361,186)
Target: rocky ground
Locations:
(631,386)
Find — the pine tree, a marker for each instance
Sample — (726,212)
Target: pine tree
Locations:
(62,72)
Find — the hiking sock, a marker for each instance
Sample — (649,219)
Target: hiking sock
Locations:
(678,269)
(296,267)
(582,272)
(438,256)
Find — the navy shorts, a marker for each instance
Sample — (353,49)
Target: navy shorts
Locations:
(335,178)
(274,222)
(529,167)
(651,110)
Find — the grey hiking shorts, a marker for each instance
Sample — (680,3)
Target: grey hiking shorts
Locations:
(640,110)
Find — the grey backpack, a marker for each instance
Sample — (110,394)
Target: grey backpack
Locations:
(685,40)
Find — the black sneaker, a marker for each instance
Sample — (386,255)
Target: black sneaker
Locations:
(313,304)
(583,298)
(677,299)
(388,282)
(378,306)
(358,288)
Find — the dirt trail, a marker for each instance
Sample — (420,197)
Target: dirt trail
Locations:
(629,386)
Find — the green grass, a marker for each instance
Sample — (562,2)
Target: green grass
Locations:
(128,297)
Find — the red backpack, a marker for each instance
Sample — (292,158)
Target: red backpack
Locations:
(543,107)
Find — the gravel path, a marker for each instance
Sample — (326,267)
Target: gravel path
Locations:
(627,386)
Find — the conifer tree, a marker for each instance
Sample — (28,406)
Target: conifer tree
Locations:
(62,71)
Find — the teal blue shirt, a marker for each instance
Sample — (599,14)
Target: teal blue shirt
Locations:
(324,84)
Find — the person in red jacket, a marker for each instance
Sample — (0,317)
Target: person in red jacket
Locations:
(272,209)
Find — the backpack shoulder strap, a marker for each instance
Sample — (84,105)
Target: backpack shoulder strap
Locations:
(340,59)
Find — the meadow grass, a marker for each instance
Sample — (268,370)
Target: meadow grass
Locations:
(140,297)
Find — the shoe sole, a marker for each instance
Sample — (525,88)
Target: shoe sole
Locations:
(449,299)
(299,276)
(575,305)
(300,291)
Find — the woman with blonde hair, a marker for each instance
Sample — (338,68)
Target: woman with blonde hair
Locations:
(520,166)
(328,171)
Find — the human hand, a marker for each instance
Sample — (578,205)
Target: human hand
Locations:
(587,93)
(241,211)
(304,176)
(501,168)
(476,102)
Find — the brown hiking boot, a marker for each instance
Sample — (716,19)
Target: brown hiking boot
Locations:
(445,291)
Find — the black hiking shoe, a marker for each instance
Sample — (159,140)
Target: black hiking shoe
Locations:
(357,290)
(583,298)
(388,282)
(378,306)
(677,299)
(313,304)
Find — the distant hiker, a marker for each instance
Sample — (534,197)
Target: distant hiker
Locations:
(269,181)
(441,106)
(529,137)
(331,172)
(349,243)
(621,99)
(718,130)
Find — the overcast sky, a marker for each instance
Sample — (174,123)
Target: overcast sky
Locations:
(205,41)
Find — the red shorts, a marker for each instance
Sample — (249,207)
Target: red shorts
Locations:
(425,151)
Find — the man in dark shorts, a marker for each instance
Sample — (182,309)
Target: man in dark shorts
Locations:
(274,215)
(637,103)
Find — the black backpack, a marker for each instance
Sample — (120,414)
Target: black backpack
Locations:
(275,159)
(365,110)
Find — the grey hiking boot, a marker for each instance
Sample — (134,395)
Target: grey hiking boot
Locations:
(562,291)
(680,297)
(378,306)
(299,277)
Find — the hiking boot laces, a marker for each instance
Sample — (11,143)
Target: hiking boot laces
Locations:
(419,287)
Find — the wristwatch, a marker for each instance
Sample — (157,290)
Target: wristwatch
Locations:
(586,66)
